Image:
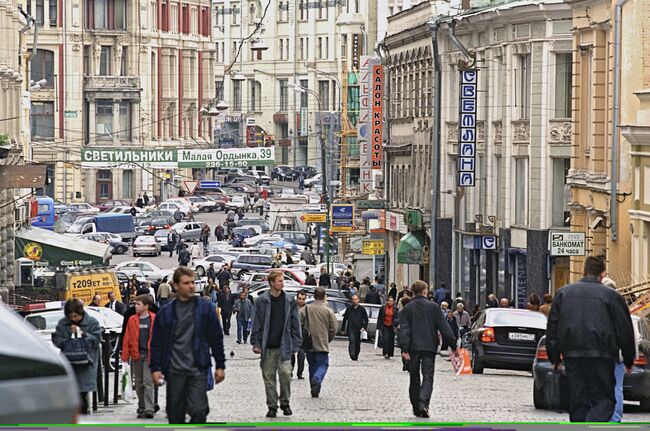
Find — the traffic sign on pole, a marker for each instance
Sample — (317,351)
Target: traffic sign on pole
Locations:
(190,186)
(209,184)
(342,218)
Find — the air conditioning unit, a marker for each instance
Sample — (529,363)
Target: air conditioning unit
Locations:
(22,213)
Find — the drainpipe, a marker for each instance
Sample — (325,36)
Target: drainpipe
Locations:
(435,155)
(613,202)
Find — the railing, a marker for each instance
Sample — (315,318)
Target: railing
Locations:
(112,83)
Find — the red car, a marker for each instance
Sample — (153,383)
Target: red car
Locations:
(103,206)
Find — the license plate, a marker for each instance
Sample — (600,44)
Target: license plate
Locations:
(518,336)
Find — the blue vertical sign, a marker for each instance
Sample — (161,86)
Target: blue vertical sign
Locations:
(467,128)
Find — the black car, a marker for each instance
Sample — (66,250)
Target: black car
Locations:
(636,385)
(158,223)
(505,338)
(306,171)
(282,173)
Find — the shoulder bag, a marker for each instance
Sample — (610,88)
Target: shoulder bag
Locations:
(306,335)
(75,349)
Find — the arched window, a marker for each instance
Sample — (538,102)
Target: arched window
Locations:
(255,96)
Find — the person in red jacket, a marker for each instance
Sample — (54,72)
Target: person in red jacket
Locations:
(136,346)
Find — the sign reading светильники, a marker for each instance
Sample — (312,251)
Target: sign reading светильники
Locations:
(129,158)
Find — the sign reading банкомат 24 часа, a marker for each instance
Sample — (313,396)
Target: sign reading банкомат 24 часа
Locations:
(566,243)
(129,158)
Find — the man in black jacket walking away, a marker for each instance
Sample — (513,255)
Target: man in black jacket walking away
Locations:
(355,319)
(588,324)
(226,302)
(420,321)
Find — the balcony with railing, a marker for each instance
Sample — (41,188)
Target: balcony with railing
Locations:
(112,83)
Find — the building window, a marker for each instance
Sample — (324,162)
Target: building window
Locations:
(284,94)
(236,95)
(124,64)
(324,94)
(563,73)
(283,11)
(304,10)
(256,96)
(106,14)
(344,46)
(86,61)
(165,17)
(320,47)
(219,87)
(127,184)
(42,123)
(304,96)
(323,10)
(104,119)
(42,67)
(521,191)
(40,12)
(522,89)
(53,13)
(105,61)
(282,49)
(104,184)
(235,13)
(125,121)
(302,48)
(173,26)
(559,207)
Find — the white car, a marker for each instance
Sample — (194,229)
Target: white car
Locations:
(201,265)
(172,207)
(83,208)
(123,210)
(202,203)
(145,244)
(260,240)
(316,179)
(236,202)
(336,268)
(150,271)
(185,204)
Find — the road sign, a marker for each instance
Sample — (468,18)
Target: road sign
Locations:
(335,183)
(372,246)
(489,242)
(567,243)
(190,186)
(313,217)
(342,219)
(209,184)
(371,204)
(336,258)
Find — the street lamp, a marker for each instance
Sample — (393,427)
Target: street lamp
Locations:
(259,45)
(238,77)
(323,164)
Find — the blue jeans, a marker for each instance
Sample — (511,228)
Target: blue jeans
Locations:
(242,330)
(318,364)
(619,373)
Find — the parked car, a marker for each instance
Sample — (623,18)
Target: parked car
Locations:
(373,313)
(202,265)
(218,198)
(636,385)
(298,238)
(185,207)
(282,173)
(158,223)
(36,376)
(307,171)
(140,267)
(236,202)
(259,277)
(261,177)
(202,203)
(115,241)
(161,236)
(83,208)
(145,245)
(103,206)
(246,263)
(316,179)
(263,224)
(189,231)
(247,231)
(505,338)
(123,210)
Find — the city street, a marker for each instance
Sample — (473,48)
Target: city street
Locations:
(371,389)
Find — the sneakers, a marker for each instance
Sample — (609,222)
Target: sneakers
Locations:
(286,410)
(148,415)
(271,413)
(421,413)
(315,388)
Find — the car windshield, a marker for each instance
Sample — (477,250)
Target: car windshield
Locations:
(161,233)
(512,317)
(45,321)
(79,224)
(145,240)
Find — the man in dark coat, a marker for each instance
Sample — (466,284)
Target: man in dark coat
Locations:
(355,319)
(114,304)
(419,323)
(226,301)
(224,276)
(372,297)
(588,325)
(324,280)
(184,257)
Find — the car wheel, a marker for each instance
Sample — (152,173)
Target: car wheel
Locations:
(204,209)
(120,249)
(200,271)
(538,397)
(135,254)
(477,367)
(645,404)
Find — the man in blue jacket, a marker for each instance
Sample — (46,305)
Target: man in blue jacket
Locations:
(185,333)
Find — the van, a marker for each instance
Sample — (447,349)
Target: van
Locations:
(121,224)
(46,216)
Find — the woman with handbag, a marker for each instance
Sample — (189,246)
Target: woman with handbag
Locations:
(78,335)
(386,323)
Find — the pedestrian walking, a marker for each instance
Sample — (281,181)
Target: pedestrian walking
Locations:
(197,251)
(534,302)
(324,280)
(355,320)
(218,232)
(185,334)
(205,235)
(504,303)
(391,292)
(308,256)
(244,311)
(223,276)
(420,322)
(164,292)
(319,321)
(133,211)
(588,325)
(372,297)
(386,321)
(310,280)
(451,320)
(211,274)
(171,241)
(491,301)
(136,346)
(225,302)
(184,257)
(405,300)
(462,318)
(545,308)
(276,337)
(301,298)
(77,324)
(139,202)
(145,199)
(180,244)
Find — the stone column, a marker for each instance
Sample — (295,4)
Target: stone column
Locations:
(92,121)
(116,121)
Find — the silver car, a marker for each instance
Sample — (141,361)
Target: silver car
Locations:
(145,244)
(189,231)
(33,377)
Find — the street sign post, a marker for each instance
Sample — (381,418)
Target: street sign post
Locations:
(190,186)
(342,219)
(313,217)
(209,184)
(372,246)
(566,243)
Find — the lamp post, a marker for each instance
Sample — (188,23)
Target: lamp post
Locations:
(321,138)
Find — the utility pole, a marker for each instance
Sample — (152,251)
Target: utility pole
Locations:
(435,156)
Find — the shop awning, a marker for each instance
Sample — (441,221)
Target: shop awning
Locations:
(410,247)
(60,250)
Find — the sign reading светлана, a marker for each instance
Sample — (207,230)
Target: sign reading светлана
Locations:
(129,158)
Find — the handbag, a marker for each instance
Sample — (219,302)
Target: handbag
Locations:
(306,335)
(76,351)
(552,391)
